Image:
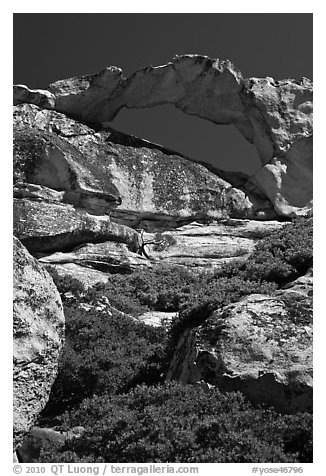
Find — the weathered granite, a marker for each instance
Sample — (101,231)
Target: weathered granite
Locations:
(131,179)
(108,257)
(157,318)
(195,245)
(38,337)
(86,277)
(201,246)
(261,346)
(276,116)
(38,437)
(49,227)
(43,158)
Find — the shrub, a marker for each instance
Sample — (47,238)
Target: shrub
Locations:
(284,255)
(104,352)
(66,283)
(162,288)
(107,355)
(174,423)
(163,241)
(277,259)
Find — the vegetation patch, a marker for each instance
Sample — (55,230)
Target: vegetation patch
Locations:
(105,352)
(174,423)
(112,370)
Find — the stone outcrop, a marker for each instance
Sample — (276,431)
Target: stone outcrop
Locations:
(50,168)
(78,192)
(157,318)
(107,172)
(38,437)
(195,246)
(38,335)
(261,346)
(48,227)
(201,246)
(276,116)
(109,257)
(90,201)
(86,277)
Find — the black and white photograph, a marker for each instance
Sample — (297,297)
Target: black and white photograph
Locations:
(163,242)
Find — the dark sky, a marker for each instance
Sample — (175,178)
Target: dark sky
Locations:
(48,47)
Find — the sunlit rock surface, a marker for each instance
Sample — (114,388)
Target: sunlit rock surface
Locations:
(201,246)
(275,116)
(49,227)
(261,346)
(83,197)
(38,337)
(107,172)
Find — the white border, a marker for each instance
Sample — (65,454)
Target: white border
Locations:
(202,6)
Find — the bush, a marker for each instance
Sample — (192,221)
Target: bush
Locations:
(174,423)
(104,352)
(163,241)
(277,259)
(66,283)
(107,355)
(284,255)
(162,288)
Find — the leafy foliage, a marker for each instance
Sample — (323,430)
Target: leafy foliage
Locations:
(66,283)
(163,241)
(104,352)
(162,288)
(277,259)
(107,355)
(283,255)
(175,423)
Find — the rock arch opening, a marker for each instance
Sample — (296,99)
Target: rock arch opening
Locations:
(221,146)
(275,116)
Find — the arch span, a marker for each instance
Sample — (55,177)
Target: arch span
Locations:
(275,116)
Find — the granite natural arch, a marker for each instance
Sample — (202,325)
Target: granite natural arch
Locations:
(275,116)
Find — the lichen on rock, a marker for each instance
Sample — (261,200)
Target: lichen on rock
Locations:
(273,115)
(38,337)
(260,346)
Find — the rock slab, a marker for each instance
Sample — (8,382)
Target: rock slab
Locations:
(260,346)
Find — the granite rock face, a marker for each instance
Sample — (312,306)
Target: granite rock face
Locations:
(107,172)
(108,257)
(29,452)
(276,116)
(261,346)
(53,165)
(49,227)
(90,201)
(38,337)
(196,246)
(201,246)
(80,195)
